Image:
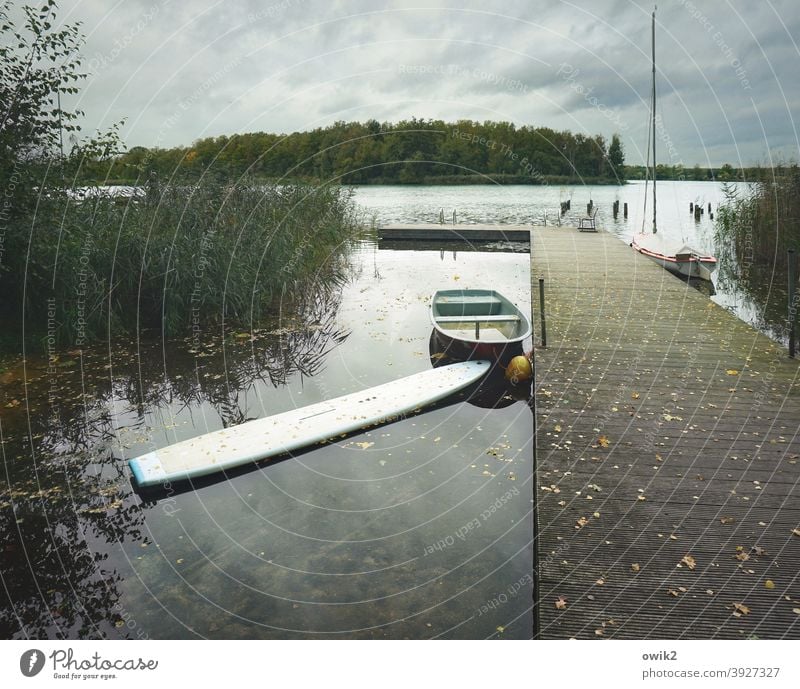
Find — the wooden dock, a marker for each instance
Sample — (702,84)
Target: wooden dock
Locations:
(668,455)
(457,232)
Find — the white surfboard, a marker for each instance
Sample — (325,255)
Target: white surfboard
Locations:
(291,430)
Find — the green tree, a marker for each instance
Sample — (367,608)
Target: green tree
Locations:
(38,64)
(616,157)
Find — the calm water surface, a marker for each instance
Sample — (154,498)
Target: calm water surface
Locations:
(758,299)
(417,529)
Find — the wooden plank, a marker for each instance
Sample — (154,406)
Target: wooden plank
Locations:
(665,427)
(450,232)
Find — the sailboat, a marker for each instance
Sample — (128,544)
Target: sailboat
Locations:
(680,259)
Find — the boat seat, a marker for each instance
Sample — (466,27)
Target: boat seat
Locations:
(477,319)
(469,299)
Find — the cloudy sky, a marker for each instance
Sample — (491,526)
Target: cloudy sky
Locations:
(178,70)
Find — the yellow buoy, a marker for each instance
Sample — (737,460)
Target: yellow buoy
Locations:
(519,369)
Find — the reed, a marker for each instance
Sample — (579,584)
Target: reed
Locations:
(756,230)
(175,258)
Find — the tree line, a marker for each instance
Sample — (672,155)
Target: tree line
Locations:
(407,152)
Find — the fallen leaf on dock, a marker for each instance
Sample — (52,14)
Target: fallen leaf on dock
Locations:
(602,441)
(689,561)
(769,584)
(635,567)
(740,609)
(561,603)
(732,372)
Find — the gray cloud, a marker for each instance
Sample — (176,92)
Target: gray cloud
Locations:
(179,71)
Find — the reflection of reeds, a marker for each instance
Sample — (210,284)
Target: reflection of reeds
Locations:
(170,258)
(78,482)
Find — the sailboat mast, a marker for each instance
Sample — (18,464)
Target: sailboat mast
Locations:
(653,101)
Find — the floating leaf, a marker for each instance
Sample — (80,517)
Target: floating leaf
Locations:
(364,445)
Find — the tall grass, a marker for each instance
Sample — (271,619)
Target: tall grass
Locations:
(758,228)
(176,258)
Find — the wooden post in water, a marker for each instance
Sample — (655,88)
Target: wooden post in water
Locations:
(624,210)
(792,304)
(541,312)
(709,206)
(691,207)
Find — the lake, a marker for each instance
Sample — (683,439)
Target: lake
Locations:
(417,529)
(761,301)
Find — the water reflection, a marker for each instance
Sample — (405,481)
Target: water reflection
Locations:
(755,293)
(340,540)
(66,498)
